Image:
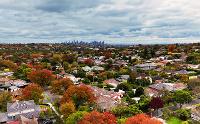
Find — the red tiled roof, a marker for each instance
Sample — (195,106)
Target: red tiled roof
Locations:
(14,122)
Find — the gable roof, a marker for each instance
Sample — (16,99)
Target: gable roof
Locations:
(26,108)
(3,117)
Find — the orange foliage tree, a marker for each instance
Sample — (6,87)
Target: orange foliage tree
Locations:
(61,85)
(79,95)
(96,117)
(142,119)
(9,64)
(171,48)
(67,108)
(32,92)
(42,77)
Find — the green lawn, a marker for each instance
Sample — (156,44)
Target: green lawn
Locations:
(174,120)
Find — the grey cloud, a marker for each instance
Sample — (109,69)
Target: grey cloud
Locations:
(109,20)
(68,5)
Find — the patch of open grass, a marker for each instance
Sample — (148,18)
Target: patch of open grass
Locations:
(174,120)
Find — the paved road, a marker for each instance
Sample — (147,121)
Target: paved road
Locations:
(53,108)
(192,104)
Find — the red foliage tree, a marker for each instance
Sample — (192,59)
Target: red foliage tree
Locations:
(107,54)
(156,103)
(61,85)
(142,119)
(32,92)
(89,62)
(100,118)
(35,66)
(42,77)
(79,95)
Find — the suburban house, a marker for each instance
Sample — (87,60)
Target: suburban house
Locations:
(87,69)
(3,80)
(5,74)
(123,78)
(146,66)
(11,85)
(106,100)
(112,82)
(154,89)
(72,78)
(19,83)
(27,109)
(97,68)
(191,66)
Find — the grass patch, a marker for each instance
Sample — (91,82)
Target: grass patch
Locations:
(174,120)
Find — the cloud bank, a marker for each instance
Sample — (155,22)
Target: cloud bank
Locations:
(116,21)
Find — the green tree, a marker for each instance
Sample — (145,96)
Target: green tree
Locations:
(75,117)
(125,111)
(123,86)
(22,72)
(191,59)
(57,58)
(143,103)
(139,91)
(182,96)
(132,76)
(183,114)
(5,97)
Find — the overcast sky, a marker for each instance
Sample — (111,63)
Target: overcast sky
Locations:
(136,21)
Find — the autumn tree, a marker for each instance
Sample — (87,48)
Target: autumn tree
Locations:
(142,119)
(42,77)
(89,62)
(32,92)
(8,64)
(61,85)
(171,48)
(156,103)
(107,54)
(101,118)
(35,66)
(35,55)
(5,97)
(67,108)
(79,95)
